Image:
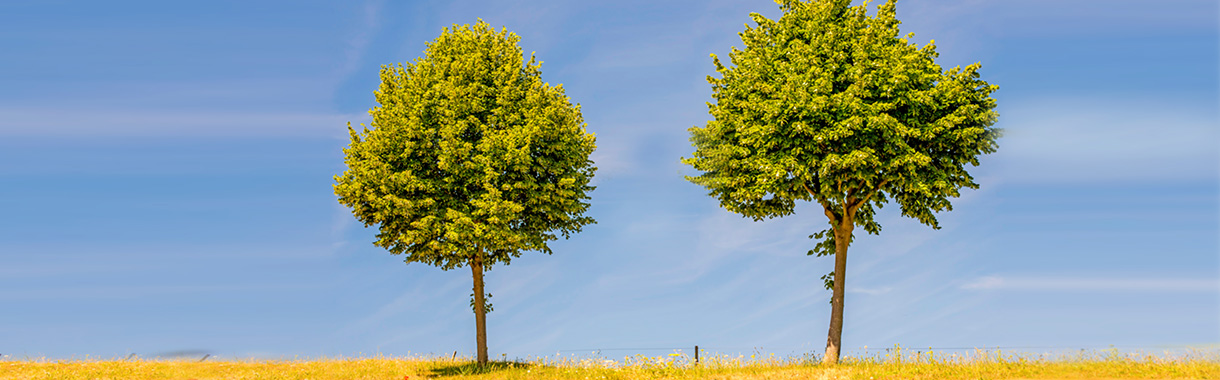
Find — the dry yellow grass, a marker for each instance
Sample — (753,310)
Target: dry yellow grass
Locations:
(1196,365)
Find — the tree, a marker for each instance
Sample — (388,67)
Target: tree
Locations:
(829,105)
(471,159)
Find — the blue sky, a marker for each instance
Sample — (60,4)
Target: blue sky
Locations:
(166,173)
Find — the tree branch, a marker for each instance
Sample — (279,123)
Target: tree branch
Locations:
(855,205)
(830,213)
(811,193)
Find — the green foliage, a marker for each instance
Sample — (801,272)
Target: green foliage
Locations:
(486,303)
(826,245)
(829,104)
(470,154)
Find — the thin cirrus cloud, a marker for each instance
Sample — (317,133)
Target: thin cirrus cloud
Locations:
(361,37)
(1031,283)
(1072,140)
(1050,17)
(1054,18)
(142,291)
(98,122)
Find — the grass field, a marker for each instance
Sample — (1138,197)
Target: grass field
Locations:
(981,365)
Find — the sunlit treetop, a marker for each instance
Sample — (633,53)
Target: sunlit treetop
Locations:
(829,104)
(469,153)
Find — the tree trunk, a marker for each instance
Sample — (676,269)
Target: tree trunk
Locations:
(480,311)
(835,337)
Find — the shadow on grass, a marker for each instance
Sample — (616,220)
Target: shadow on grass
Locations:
(472,368)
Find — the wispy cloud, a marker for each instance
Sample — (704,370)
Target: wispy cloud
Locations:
(871,291)
(956,19)
(142,291)
(362,36)
(342,222)
(1018,283)
(404,306)
(99,122)
(1076,140)
(1052,17)
(16,270)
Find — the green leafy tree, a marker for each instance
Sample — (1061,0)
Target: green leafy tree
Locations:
(828,104)
(471,159)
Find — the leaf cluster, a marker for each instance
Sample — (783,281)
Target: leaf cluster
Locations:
(469,153)
(486,303)
(828,104)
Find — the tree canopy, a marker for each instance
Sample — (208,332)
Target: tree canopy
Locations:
(469,151)
(470,159)
(830,105)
